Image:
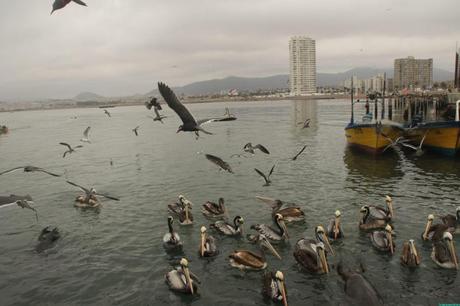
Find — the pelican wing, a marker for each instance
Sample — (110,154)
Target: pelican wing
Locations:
(76,185)
(11,170)
(47,172)
(218,161)
(107,196)
(271,171)
(223,227)
(248,258)
(79,2)
(300,152)
(173,102)
(267,231)
(66,144)
(270,201)
(262,148)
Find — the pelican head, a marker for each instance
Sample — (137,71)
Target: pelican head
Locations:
(388,231)
(389,202)
(337,213)
(337,223)
(427,227)
(184,264)
(265,243)
(280,221)
(364,212)
(281,285)
(322,257)
(447,237)
(170,220)
(413,251)
(203,240)
(322,237)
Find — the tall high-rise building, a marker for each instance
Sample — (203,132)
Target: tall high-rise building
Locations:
(302,64)
(457,69)
(413,73)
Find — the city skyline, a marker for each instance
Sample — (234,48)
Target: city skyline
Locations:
(302,65)
(122,49)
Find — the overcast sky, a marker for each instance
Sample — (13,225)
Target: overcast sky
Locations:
(122,47)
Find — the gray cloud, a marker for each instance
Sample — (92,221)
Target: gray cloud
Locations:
(120,47)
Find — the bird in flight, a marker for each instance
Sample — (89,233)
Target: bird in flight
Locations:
(70,149)
(297,155)
(251,149)
(30,169)
(266,178)
(107,113)
(153,103)
(305,124)
(59,4)
(157,117)
(86,135)
(91,192)
(135,130)
(219,162)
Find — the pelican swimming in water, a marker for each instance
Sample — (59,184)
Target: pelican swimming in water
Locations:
(274,287)
(368,222)
(410,256)
(272,234)
(228,229)
(334,230)
(383,240)
(247,260)
(433,232)
(208,246)
(171,240)
(443,253)
(180,279)
(213,210)
(311,256)
(453,222)
(290,214)
(381,213)
(182,210)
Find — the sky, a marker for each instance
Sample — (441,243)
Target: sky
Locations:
(123,47)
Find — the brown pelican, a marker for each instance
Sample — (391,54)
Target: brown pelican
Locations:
(383,240)
(274,287)
(443,253)
(311,256)
(171,240)
(358,289)
(334,230)
(381,213)
(227,229)
(213,210)
(247,260)
(433,232)
(290,214)
(410,256)
(368,222)
(180,279)
(208,246)
(182,210)
(274,235)
(452,221)
(47,238)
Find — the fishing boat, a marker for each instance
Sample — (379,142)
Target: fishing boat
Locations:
(437,136)
(372,135)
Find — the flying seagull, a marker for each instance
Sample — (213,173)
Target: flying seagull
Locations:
(86,135)
(58,4)
(297,155)
(157,117)
(92,192)
(305,124)
(266,178)
(251,149)
(70,150)
(218,161)
(189,123)
(135,130)
(107,113)
(30,169)
(153,103)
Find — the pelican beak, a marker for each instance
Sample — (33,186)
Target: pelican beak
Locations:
(283,225)
(336,227)
(452,253)
(327,244)
(283,293)
(269,246)
(427,228)
(414,252)
(189,280)
(390,208)
(187,220)
(203,239)
(390,241)
(322,257)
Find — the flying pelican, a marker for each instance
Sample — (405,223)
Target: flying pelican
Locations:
(30,169)
(89,199)
(59,4)
(171,240)
(305,124)
(383,240)
(107,113)
(410,256)
(208,246)
(334,230)
(251,149)
(219,162)
(47,239)
(273,235)
(266,178)
(180,279)
(290,214)
(213,210)
(368,222)
(228,229)
(274,287)
(86,135)
(452,221)
(182,210)
(70,149)
(443,253)
(247,260)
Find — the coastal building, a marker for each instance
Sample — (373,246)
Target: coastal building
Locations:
(413,73)
(457,70)
(302,65)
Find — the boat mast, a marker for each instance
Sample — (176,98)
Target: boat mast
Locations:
(383,94)
(351,121)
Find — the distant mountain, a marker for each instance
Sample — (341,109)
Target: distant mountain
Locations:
(87,96)
(281,81)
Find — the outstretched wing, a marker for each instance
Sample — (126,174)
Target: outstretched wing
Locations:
(107,196)
(297,155)
(86,132)
(11,170)
(76,185)
(218,161)
(79,146)
(50,173)
(173,102)
(80,2)
(270,201)
(271,171)
(261,174)
(66,144)
(262,148)
(209,120)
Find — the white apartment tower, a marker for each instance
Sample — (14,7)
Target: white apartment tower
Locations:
(302,65)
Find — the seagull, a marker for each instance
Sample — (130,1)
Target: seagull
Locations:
(71,150)
(297,155)
(86,135)
(30,169)
(58,4)
(158,117)
(418,150)
(107,113)
(251,149)
(135,130)
(306,123)
(92,192)
(266,178)
(153,103)
(189,123)
(218,161)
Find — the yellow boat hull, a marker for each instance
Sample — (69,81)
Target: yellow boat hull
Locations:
(372,138)
(441,137)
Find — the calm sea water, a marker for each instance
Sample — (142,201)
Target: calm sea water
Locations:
(115,255)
